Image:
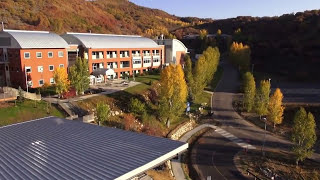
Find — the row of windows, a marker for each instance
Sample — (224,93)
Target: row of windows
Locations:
(41,82)
(40,68)
(39,54)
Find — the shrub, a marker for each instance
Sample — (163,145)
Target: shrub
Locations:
(137,107)
(102,112)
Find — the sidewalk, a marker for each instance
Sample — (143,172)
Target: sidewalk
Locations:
(176,164)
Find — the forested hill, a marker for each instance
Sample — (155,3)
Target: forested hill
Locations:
(288,45)
(99,16)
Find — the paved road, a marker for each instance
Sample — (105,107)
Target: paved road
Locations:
(220,150)
(213,160)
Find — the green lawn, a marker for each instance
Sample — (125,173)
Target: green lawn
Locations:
(146,83)
(147,79)
(25,111)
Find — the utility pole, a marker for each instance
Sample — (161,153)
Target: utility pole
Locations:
(264,138)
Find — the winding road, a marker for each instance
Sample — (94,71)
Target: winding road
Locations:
(213,154)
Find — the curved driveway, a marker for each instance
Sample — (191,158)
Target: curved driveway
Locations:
(213,154)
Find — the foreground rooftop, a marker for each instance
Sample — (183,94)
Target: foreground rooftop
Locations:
(54,148)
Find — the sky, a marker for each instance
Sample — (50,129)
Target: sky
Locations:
(221,9)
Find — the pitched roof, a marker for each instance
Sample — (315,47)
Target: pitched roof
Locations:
(54,148)
(100,41)
(36,39)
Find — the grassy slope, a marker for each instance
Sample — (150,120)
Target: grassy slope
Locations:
(26,111)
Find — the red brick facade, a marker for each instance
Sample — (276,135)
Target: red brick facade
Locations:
(118,59)
(39,66)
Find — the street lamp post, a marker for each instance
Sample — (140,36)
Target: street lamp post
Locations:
(26,80)
(264,137)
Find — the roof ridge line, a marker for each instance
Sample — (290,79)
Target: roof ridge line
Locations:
(96,34)
(25,31)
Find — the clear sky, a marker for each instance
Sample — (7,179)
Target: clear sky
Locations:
(220,9)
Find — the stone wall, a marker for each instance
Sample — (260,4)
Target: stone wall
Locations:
(182,129)
(15,93)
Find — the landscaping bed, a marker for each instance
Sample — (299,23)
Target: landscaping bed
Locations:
(285,128)
(279,165)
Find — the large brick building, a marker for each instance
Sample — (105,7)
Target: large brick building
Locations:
(30,57)
(122,54)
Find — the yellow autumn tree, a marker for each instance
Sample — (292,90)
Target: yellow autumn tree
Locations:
(173,93)
(203,34)
(61,81)
(275,109)
(219,32)
(240,55)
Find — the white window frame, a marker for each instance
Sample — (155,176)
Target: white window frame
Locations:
(50,66)
(42,81)
(24,55)
(37,55)
(61,65)
(50,53)
(59,55)
(28,67)
(39,68)
(52,81)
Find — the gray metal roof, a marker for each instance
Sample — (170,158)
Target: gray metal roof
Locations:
(54,148)
(100,41)
(36,39)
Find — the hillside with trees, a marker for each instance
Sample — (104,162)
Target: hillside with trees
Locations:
(100,16)
(287,45)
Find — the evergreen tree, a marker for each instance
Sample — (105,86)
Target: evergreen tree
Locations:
(262,98)
(79,75)
(275,109)
(249,87)
(303,134)
(173,93)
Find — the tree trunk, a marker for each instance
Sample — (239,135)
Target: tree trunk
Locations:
(168,123)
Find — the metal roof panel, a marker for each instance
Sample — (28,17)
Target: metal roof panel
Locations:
(54,148)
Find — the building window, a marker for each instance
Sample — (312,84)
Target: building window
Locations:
(147,61)
(41,82)
(52,81)
(40,68)
(61,66)
(136,53)
(111,54)
(60,53)
(124,54)
(136,62)
(27,55)
(51,67)
(28,69)
(50,54)
(39,54)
